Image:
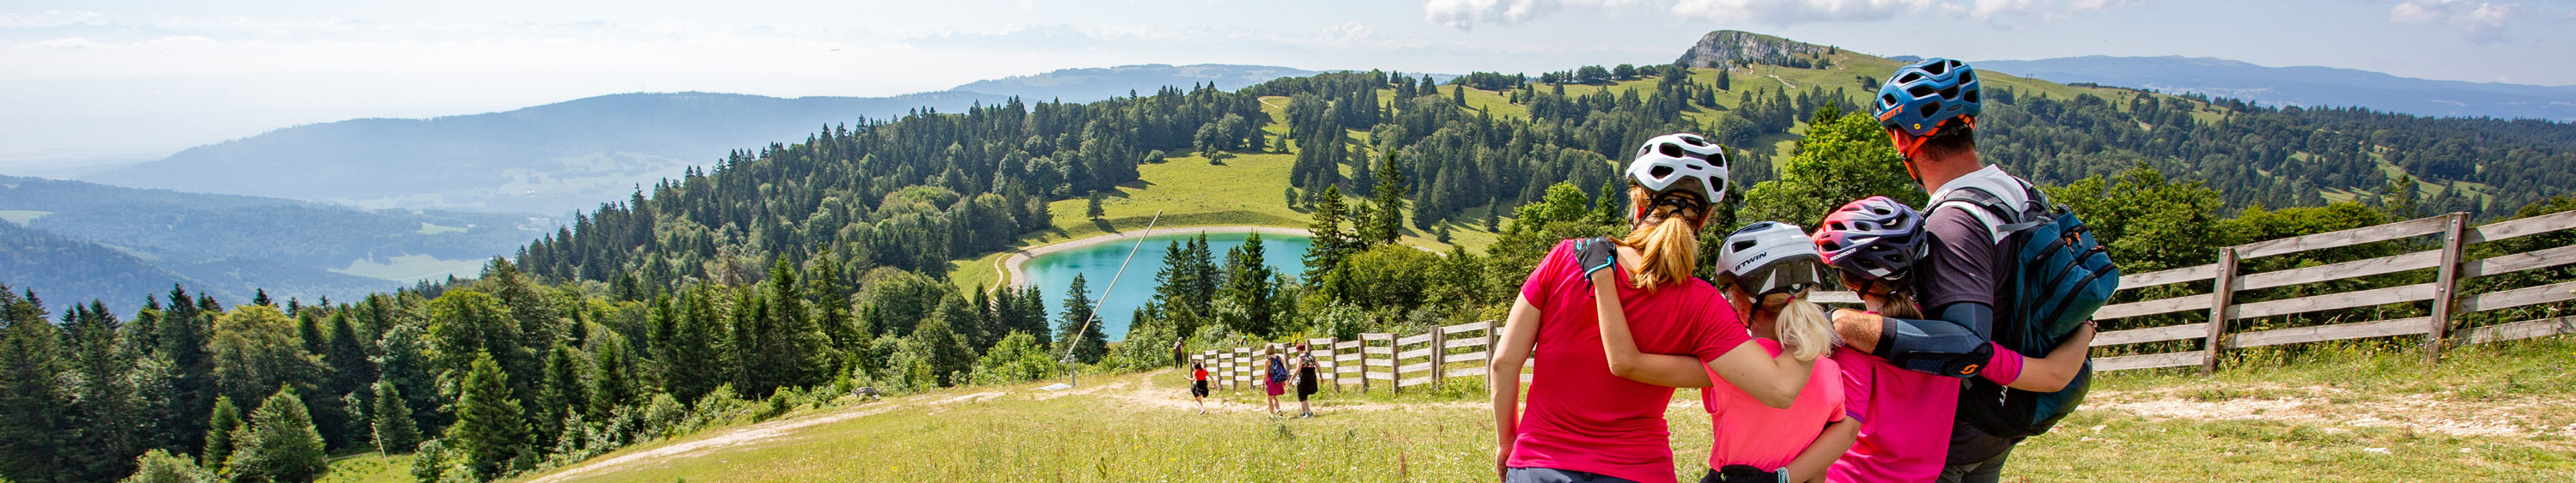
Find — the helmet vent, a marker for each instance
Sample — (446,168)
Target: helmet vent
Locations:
(1909,77)
(1660,172)
(1887,100)
(1695,140)
(1972,96)
(1920,91)
(1950,93)
(1740,245)
(1931,107)
(1669,150)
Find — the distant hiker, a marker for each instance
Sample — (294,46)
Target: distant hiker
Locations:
(1585,422)
(1305,379)
(1277,380)
(1767,268)
(1874,244)
(1199,384)
(1977,224)
(1179,357)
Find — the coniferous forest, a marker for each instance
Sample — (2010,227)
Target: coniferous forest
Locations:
(798,273)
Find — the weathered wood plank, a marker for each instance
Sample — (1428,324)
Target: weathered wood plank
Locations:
(1464,372)
(2219,309)
(1413,368)
(1380,336)
(1470,326)
(1380,363)
(2345,300)
(1466,342)
(1382,376)
(2527,226)
(2368,234)
(1414,339)
(2503,299)
(2338,271)
(1346,357)
(1378,350)
(2168,277)
(1835,297)
(1416,353)
(2169,359)
(2151,334)
(2522,330)
(1416,381)
(2152,307)
(2446,281)
(2503,264)
(1477,357)
(2356,330)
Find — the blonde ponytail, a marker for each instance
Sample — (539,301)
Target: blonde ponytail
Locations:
(1804,331)
(1667,238)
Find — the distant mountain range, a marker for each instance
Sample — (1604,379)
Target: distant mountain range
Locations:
(557,158)
(73,240)
(2304,86)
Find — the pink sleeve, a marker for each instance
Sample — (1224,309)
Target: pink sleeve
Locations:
(1724,333)
(1857,387)
(1831,374)
(2003,367)
(1550,269)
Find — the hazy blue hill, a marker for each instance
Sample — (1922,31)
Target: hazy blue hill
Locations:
(1086,85)
(573,155)
(171,225)
(2304,86)
(550,159)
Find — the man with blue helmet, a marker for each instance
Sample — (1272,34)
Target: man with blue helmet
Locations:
(1929,109)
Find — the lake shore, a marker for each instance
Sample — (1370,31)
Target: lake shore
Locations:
(1010,266)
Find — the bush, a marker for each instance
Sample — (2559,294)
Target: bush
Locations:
(157,466)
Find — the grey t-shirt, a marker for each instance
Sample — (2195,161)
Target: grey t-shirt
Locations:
(1965,263)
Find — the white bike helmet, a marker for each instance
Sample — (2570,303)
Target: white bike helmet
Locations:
(1666,160)
(1770,257)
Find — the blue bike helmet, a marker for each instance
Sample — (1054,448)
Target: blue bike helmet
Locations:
(1921,96)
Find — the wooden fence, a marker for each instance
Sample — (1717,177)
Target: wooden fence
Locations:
(1395,363)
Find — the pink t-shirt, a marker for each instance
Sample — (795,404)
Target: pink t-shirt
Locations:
(1580,417)
(1904,421)
(1750,433)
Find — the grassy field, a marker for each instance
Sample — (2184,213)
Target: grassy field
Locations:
(369,468)
(22,216)
(427,228)
(2493,413)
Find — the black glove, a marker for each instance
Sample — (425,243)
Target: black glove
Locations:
(1595,254)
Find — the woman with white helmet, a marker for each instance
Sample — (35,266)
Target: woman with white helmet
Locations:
(1584,421)
(1766,270)
(1874,244)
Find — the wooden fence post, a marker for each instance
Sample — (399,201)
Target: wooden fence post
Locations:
(1439,343)
(2220,308)
(2446,280)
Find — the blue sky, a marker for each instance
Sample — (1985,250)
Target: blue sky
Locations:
(108,79)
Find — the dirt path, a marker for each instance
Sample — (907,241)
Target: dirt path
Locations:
(758,433)
(2342,409)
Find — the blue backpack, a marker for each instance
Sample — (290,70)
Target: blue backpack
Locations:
(2060,276)
(1278,371)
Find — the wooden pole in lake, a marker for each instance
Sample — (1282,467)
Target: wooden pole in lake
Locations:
(1075,339)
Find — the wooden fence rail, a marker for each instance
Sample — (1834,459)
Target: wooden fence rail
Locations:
(1394,362)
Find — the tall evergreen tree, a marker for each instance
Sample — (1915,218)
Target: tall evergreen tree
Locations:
(34,429)
(280,444)
(394,430)
(1387,204)
(1079,331)
(221,426)
(1248,284)
(345,355)
(490,431)
(1330,243)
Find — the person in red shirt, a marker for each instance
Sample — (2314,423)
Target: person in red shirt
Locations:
(1584,422)
(1199,384)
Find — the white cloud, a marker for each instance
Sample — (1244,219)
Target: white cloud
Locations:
(1465,14)
(66,43)
(2481,22)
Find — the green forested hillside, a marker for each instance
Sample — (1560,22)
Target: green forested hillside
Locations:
(798,272)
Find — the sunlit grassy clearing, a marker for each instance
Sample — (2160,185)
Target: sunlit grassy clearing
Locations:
(412,267)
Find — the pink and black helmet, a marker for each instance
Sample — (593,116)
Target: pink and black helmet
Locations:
(1875,237)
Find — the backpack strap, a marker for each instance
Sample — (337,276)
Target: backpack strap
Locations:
(2004,204)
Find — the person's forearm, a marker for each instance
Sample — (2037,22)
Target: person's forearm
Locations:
(1859,329)
(1773,380)
(1820,455)
(2053,373)
(1619,347)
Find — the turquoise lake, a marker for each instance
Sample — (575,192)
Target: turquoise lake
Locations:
(1053,273)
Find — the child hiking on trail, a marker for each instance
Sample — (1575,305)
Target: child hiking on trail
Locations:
(1277,380)
(1767,268)
(1905,416)
(1584,421)
(1199,384)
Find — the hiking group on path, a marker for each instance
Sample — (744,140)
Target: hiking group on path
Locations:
(1972,336)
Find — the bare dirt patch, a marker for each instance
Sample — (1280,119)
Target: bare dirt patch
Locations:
(2329,406)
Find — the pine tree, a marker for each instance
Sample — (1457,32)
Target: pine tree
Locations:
(489,431)
(1387,202)
(34,429)
(1093,210)
(219,433)
(1248,285)
(1087,345)
(395,432)
(1330,243)
(350,372)
(281,444)
(612,379)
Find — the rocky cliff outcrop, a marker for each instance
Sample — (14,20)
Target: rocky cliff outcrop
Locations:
(1730,47)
